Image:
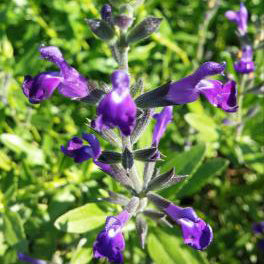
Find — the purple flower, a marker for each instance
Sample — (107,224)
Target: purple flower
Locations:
(68,81)
(239,17)
(246,63)
(163,119)
(24,258)
(221,95)
(104,167)
(118,107)
(258,228)
(195,231)
(189,89)
(110,241)
(186,90)
(40,87)
(79,152)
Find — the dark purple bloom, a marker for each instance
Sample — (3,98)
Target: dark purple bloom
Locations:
(79,152)
(106,12)
(163,119)
(110,241)
(246,63)
(258,228)
(41,87)
(24,258)
(195,231)
(68,81)
(118,107)
(104,167)
(221,95)
(191,87)
(239,17)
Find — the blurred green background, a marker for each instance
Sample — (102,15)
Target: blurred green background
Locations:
(38,184)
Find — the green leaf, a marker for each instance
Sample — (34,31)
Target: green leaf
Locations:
(82,255)
(204,124)
(14,231)
(195,182)
(168,248)
(5,162)
(81,219)
(15,143)
(185,163)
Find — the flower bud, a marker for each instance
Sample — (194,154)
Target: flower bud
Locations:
(106,12)
(123,21)
(101,29)
(144,29)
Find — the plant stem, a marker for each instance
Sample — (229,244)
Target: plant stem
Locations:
(126,141)
(240,105)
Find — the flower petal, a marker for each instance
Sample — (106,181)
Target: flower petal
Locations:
(40,87)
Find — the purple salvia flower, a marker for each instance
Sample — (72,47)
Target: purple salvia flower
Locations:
(117,109)
(246,63)
(195,231)
(258,228)
(220,95)
(189,89)
(74,85)
(239,17)
(79,152)
(163,119)
(110,241)
(24,258)
(68,81)
(41,87)
(186,90)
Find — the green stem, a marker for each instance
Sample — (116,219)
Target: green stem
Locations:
(240,105)
(126,141)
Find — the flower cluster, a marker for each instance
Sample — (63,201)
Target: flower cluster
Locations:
(245,64)
(118,110)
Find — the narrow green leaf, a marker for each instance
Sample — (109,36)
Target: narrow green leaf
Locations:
(185,163)
(82,255)
(15,143)
(14,231)
(204,124)
(168,248)
(202,176)
(81,219)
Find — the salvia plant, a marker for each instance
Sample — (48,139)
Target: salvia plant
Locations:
(123,112)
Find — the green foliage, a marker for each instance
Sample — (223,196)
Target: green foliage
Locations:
(81,219)
(167,248)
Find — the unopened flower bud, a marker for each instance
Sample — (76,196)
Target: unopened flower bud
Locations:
(106,12)
(144,29)
(123,21)
(101,29)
